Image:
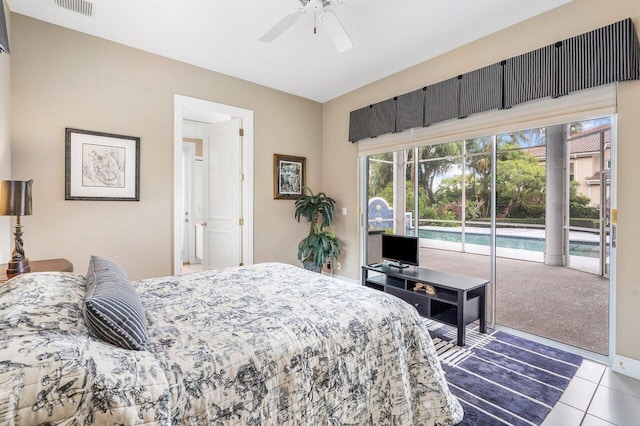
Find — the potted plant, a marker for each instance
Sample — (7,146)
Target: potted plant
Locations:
(320,245)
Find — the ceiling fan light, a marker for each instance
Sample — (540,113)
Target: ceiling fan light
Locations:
(336,31)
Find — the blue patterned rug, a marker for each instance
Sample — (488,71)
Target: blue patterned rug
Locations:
(500,378)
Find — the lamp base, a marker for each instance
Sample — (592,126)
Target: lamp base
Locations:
(16,267)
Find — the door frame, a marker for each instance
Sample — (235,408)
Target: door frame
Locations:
(181,103)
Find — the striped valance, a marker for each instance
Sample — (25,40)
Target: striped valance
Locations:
(606,55)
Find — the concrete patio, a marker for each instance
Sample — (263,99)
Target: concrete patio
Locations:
(554,302)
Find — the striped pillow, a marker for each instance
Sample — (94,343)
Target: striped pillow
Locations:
(112,309)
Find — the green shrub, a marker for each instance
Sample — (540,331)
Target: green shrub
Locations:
(585,223)
(579,210)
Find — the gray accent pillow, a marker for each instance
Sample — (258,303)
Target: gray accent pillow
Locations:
(112,308)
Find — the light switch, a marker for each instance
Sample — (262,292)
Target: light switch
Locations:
(344,211)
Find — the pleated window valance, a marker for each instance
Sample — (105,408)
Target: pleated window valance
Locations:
(606,55)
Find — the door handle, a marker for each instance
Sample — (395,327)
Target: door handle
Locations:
(204,223)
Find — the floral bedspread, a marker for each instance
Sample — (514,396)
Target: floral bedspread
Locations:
(268,344)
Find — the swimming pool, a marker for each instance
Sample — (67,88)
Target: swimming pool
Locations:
(576,248)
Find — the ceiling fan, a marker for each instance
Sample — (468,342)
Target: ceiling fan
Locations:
(329,21)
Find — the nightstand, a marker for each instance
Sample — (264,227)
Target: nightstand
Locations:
(48,265)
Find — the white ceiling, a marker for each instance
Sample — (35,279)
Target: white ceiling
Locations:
(222,35)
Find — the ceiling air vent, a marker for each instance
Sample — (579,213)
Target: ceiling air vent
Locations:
(82,7)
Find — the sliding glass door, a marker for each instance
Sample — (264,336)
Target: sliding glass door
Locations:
(544,244)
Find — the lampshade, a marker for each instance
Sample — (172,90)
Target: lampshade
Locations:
(15,197)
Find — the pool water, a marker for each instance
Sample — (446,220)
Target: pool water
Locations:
(576,248)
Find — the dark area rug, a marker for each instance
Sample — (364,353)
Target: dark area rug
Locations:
(500,378)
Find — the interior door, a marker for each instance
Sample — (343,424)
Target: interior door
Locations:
(222,236)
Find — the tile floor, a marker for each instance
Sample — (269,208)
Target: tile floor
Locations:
(597,397)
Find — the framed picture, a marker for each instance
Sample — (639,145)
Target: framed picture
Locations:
(101,166)
(288,176)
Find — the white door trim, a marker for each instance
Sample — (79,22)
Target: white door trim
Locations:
(180,102)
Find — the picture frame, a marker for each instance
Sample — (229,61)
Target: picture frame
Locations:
(288,176)
(101,166)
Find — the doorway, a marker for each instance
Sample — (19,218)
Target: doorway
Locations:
(189,110)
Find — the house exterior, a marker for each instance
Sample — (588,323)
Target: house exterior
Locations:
(585,164)
(584,160)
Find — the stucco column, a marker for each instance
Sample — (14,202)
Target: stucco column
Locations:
(554,196)
(399,192)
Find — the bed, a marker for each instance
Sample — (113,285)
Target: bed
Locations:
(267,344)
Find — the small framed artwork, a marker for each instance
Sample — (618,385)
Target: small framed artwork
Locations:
(101,166)
(288,176)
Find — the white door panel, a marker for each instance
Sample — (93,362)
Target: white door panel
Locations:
(222,242)
(223,195)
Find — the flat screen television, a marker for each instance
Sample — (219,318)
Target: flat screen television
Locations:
(401,250)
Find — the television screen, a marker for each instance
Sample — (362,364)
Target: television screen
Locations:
(401,250)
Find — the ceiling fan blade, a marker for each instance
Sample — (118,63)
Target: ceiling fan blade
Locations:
(336,31)
(282,26)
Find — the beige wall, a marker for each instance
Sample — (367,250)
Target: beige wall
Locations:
(61,78)
(5,140)
(339,156)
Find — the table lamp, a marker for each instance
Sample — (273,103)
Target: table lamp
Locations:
(15,200)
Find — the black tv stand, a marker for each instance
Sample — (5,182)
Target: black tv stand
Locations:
(453,299)
(398,265)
